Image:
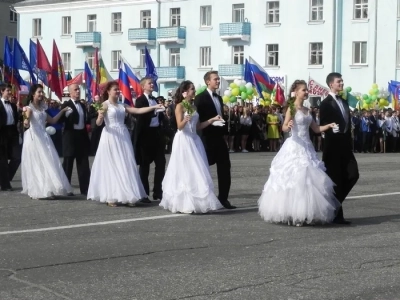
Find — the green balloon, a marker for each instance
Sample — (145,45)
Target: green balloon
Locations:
(376,91)
(365,97)
(368,101)
(242,89)
(348,89)
(373,97)
(232,99)
(243,95)
(249,91)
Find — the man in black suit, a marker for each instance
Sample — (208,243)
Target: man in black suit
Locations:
(149,141)
(76,144)
(209,104)
(10,149)
(341,165)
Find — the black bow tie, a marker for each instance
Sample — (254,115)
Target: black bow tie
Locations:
(215,95)
(7,102)
(77,102)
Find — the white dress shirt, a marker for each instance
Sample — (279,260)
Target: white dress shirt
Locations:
(216,102)
(344,113)
(81,123)
(9,111)
(154,120)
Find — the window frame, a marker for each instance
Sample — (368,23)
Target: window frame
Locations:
(205,56)
(318,52)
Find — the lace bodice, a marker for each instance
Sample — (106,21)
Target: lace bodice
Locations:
(38,117)
(301,124)
(115,116)
(190,127)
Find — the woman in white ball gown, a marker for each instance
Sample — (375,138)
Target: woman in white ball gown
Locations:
(115,177)
(187,185)
(41,172)
(298,190)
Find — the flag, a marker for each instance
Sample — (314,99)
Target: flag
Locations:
(123,82)
(78,79)
(94,87)
(88,81)
(317,89)
(133,80)
(277,94)
(41,74)
(256,74)
(41,59)
(58,82)
(68,76)
(21,62)
(151,69)
(104,75)
(394,91)
(7,56)
(14,78)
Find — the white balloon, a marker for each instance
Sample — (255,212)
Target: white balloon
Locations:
(242,83)
(50,130)
(228,93)
(249,85)
(237,82)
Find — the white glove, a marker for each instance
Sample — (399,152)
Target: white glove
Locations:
(335,129)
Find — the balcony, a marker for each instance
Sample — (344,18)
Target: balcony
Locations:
(171,35)
(171,74)
(88,39)
(142,36)
(235,31)
(231,72)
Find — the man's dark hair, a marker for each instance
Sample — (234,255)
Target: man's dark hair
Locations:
(207,76)
(331,77)
(5,86)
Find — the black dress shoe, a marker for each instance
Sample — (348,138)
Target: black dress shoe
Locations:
(341,221)
(228,205)
(70,194)
(9,189)
(145,200)
(157,196)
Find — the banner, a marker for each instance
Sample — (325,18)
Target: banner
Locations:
(316,89)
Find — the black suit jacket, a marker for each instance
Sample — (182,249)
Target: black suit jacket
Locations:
(3,114)
(207,110)
(330,113)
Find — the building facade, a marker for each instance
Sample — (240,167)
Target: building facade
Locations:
(8,22)
(292,39)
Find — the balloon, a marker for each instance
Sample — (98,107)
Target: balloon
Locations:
(365,106)
(373,97)
(376,91)
(243,95)
(235,91)
(249,91)
(367,101)
(382,101)
(237,82)
(242,83)
(348,89)
(374,86)
(365,96)
(50,130)
(250,97)
(267,103)
(225,99)
(249,85)
(232,99)
(233,85)
(242,89)
(228,93)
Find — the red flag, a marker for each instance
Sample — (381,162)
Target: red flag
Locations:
(78,79)
(11,78)
(280,97)
(58,81)
(96,73)
(42,60)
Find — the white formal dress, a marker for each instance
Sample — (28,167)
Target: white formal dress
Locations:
(187,185)
(41,171)
(115,176)
(298,189)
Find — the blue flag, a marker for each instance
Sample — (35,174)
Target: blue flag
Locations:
(41,74)
(7,57)
(151,69)
(21,62)
(88,81)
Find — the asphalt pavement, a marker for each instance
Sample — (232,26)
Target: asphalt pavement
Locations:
(77,249)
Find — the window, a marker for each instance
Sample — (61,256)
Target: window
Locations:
(316,10)
(315,101)
(115,57)
(143,58)
(205,56)
(145,19)
(272,12)
(205,16)
(91,23)
(37,27)
(116,22)
(360,9)
(315,54)
(13,16)
(238,55)
(359,53)
(66,26)
(90,59)
(174,57)
(272,59)
(175,17)
(238,13)
(66,59)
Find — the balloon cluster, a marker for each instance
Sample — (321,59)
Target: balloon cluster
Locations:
(238,88)
(375,97)
(200,89)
